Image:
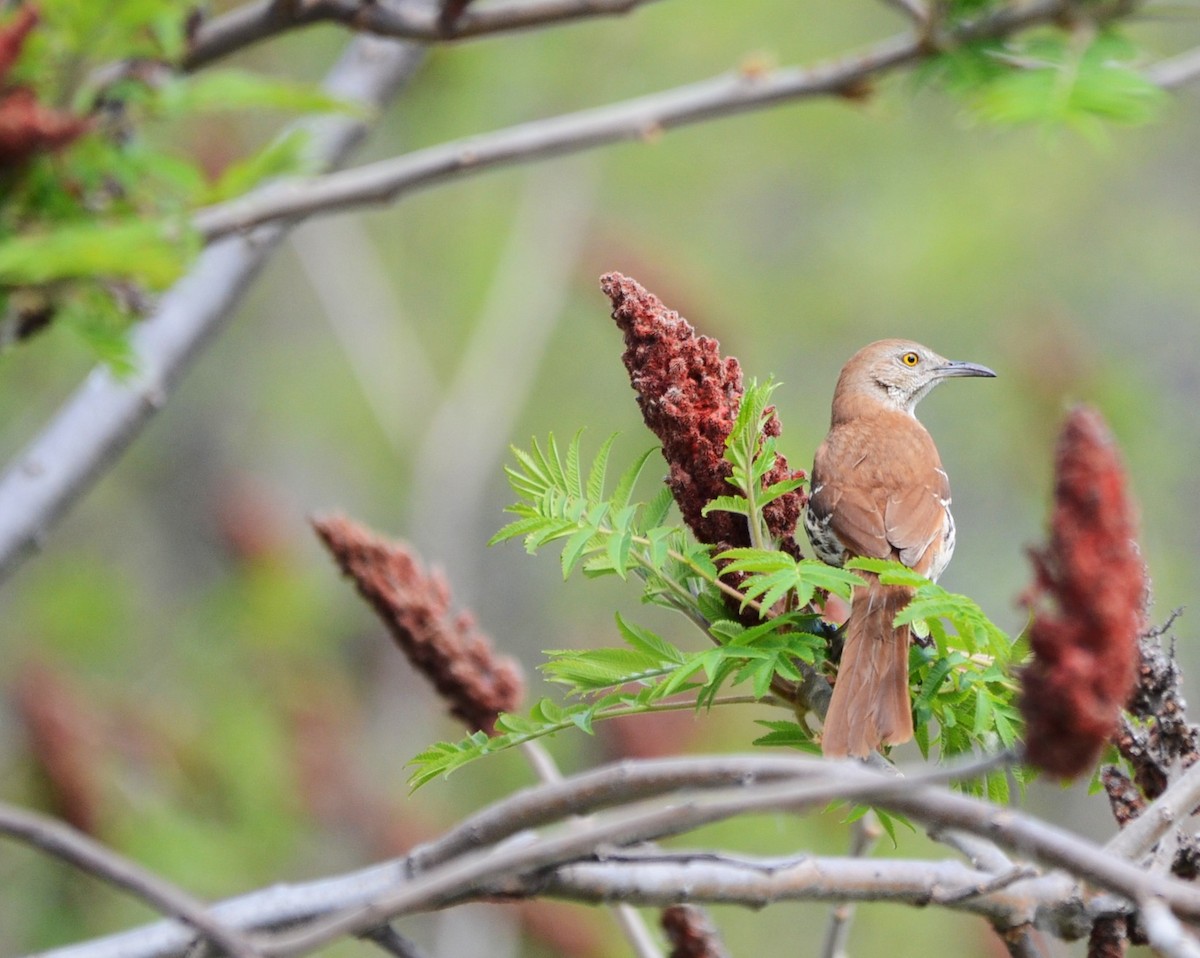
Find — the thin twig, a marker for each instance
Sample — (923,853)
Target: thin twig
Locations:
(1176,71)
(995,883)
(635,930)
(640,119)
(63,842)
(412,20)
(643,119)
(657,879)
(864,835)
(981,853)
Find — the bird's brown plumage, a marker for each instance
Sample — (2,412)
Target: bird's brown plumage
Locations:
(878,490)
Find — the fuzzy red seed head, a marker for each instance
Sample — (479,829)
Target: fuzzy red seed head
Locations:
(1089,597)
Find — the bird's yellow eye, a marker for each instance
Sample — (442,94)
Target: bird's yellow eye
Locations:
(910,359)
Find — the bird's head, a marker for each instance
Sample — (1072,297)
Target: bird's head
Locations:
(897,373)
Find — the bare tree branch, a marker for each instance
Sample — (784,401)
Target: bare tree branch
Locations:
(602,788)
(105,414)
(478,870)
(1166,812)
(982,854)
(399,19)
(865,832)
(63,842)
(639,119)
(1175,71)
(644,119)
(911,797)
(657,879)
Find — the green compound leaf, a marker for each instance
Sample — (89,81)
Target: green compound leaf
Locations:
(152,252)
(230,89)
(1053,82)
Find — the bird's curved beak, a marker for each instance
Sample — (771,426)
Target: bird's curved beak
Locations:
(952,368)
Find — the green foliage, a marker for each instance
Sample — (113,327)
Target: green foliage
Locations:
(154,252)
(1051,79)
(962,680)
(603,534)
(282,156)
(787,735)
(111,207)
(613,535)
(1072,85)
(230,89)
(773,576)
(750,451)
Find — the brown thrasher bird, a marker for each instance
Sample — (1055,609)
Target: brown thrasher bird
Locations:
(878,489)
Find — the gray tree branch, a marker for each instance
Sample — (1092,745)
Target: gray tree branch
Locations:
(911,796)
(63,842)
(1177,71)
(643,119)
(413,20)
(507,858)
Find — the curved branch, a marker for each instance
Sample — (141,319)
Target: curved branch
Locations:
(467,869)
(76,848)
(478,837)
(912,797)
(399,19)
(641,119)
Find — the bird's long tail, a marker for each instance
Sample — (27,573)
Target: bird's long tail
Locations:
(870,705)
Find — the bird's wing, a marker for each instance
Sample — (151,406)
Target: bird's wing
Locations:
(882,492)
(844,505)
(916,518)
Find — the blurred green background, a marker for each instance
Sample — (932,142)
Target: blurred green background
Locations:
(231,714)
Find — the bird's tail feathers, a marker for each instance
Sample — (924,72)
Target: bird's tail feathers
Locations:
(871,704)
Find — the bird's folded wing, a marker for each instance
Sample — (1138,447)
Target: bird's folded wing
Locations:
(915,518)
